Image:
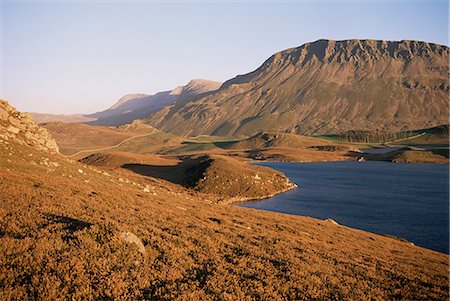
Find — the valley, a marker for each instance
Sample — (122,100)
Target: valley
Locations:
(147,199)
(64,228)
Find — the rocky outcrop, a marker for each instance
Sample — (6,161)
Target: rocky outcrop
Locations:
(20,128)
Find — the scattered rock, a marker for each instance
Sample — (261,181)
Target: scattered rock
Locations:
(13,129)
(331,221)
(20,127)
(3,114)
(130,238)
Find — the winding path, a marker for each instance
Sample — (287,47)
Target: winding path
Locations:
(109,147)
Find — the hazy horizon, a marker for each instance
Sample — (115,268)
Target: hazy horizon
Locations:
(78,57)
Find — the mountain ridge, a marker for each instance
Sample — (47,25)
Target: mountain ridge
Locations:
(134,106)
(323,87)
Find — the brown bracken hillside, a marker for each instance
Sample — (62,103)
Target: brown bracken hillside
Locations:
(72,231)
(76,137)
(325,87)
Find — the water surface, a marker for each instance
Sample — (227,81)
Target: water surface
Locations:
(405,200)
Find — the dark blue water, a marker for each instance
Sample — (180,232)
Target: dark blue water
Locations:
(405,200)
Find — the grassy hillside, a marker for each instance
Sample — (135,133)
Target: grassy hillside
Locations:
(127,230)
(431,136)
(266,140)
(411,155)
(75,137)
(225,179)
(67,232)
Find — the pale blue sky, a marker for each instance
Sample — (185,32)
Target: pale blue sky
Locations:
(80,57)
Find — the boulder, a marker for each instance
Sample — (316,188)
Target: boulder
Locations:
(3,114)
(331,221)
(130,238)
(13,129)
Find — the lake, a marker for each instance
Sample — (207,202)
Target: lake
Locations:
(405,200)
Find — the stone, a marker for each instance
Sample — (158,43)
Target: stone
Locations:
(51,144)
(29,136)
(3,114)
(13,129)
(331,221)
(130,238)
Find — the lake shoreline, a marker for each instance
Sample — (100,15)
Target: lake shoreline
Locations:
(376,211)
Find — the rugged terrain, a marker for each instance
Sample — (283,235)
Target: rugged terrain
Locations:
(135,106)
(72,231)
(324,87)
(19,127)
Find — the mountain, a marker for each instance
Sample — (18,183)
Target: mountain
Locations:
(324,87)
(44,118)
(135,106)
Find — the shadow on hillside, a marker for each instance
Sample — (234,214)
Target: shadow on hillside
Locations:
(69,224)
(184,173)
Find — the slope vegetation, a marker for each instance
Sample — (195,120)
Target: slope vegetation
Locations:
(433,136)
(234,180)
(266,140)
(325,87)
(71,231)
(76,137)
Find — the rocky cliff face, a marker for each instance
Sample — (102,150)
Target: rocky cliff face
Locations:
(325,87)
(20,128)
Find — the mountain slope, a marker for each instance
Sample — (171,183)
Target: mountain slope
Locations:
(266,140)
(325,87)
(75,137)
(71,231)
(135,106)
(132,107)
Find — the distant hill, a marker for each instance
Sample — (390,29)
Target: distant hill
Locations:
(135,106)
(75,137)
(324,87)
(44,118)
(436,135)
(265,140)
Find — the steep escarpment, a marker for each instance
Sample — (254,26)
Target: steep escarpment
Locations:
(19,127)
(325,87)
